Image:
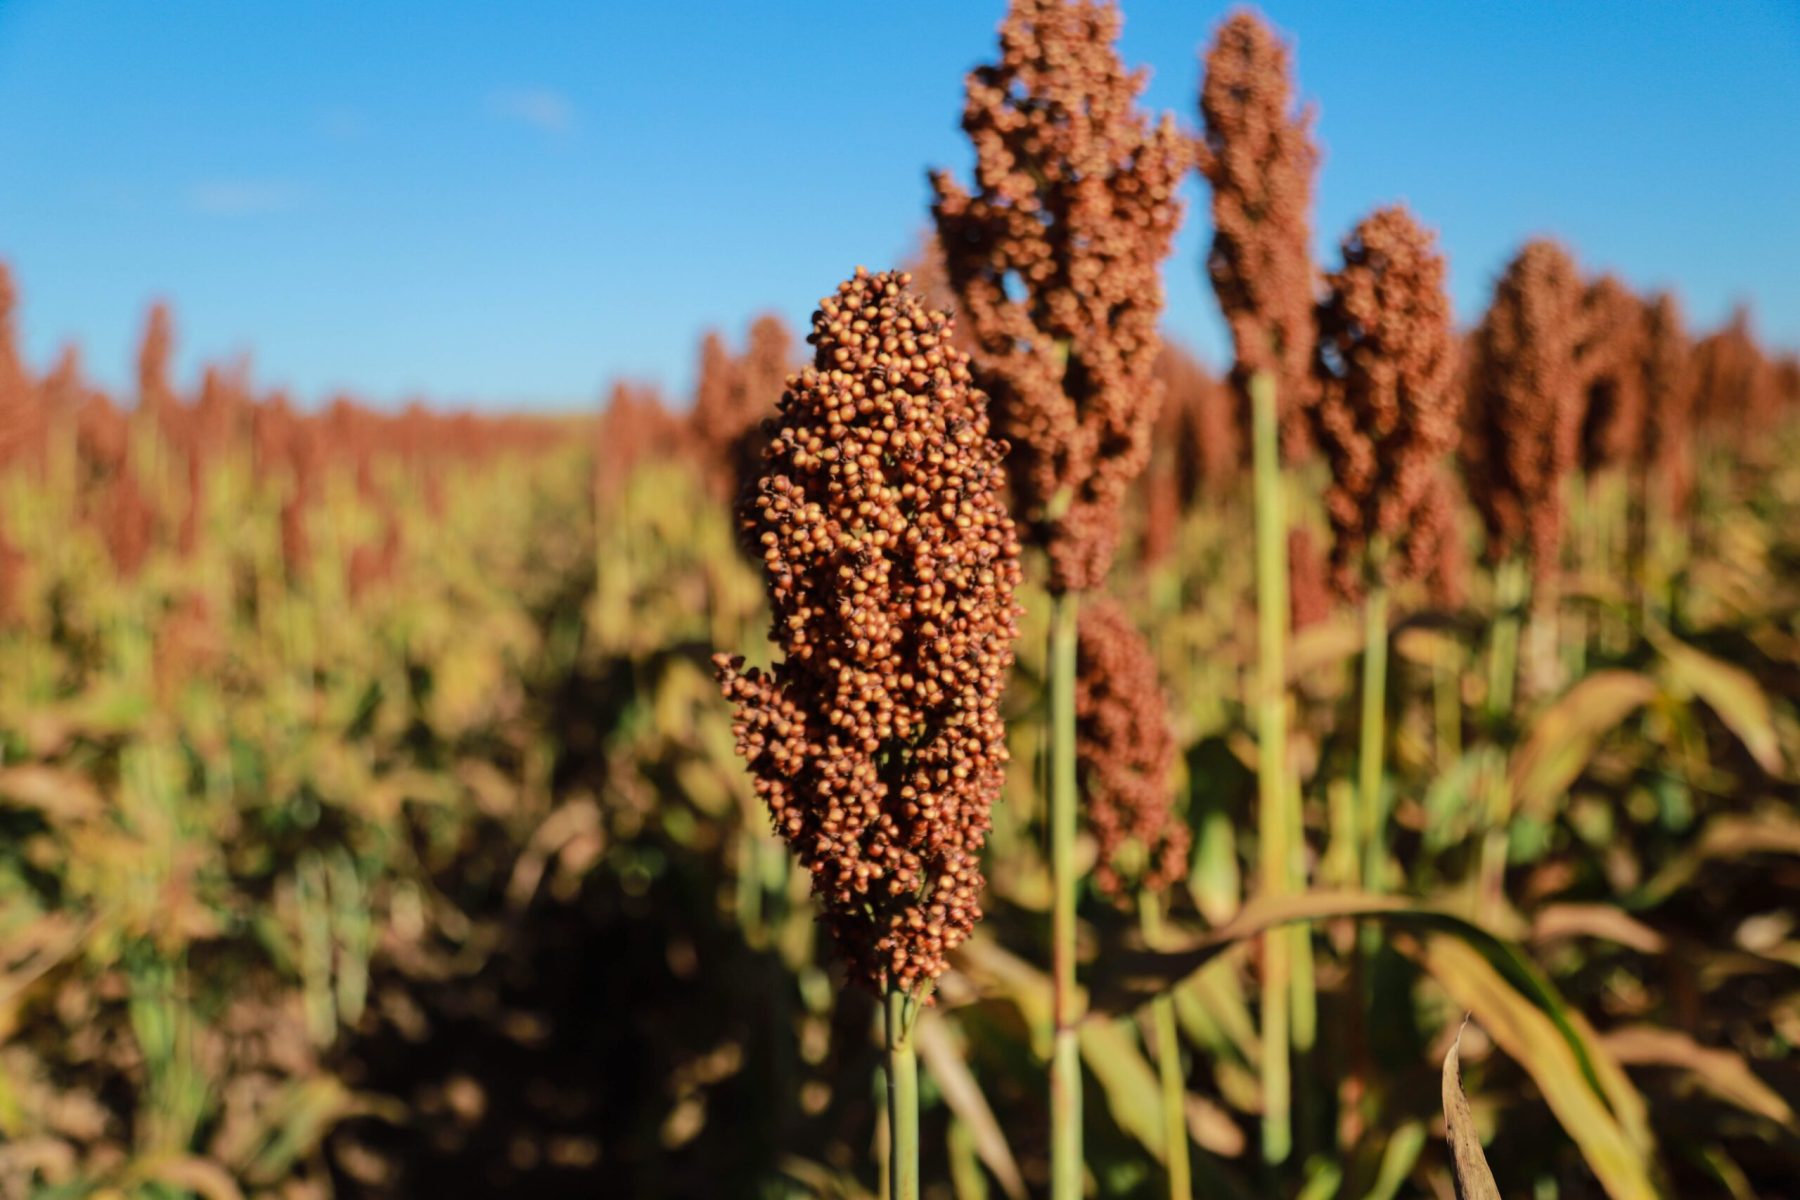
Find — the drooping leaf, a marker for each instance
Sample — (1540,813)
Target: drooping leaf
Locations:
(1528,1036)
(1731,692)
(938,1051)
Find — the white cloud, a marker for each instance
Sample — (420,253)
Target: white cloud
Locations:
(540,108)
(243,197)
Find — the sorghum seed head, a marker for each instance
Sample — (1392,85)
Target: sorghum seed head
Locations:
(1257,154)
(1125,749)
(1386,412)
(1522,422)
(1056,259)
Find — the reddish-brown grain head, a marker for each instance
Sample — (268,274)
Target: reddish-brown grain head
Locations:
(1055,257)
(1522,426)
(1668,403)
(890,564)
(1258,156)
(1610,358)
(1387,412)
(1125,750)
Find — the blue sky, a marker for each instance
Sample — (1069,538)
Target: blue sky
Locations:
(451,200)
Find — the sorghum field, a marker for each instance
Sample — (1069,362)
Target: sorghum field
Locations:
(970,748)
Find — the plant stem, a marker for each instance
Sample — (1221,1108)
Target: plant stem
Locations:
(902,1097)
(1275,839)
(1168,1065)
(1374,719)
(1065,1063)
(1503,660)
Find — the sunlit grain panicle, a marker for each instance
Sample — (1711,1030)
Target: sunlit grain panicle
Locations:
(1125,750)
(1386,413)
(635,428)
(1523,422)
(1610,360)
(1055,258)
(733,398)
(890,565)
(1257,154)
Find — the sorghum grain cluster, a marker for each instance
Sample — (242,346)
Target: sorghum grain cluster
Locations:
(1258,156)
(890,564)
(1386,414)
(1523,421)
(1610,358)
(1056,258)
(1125,750)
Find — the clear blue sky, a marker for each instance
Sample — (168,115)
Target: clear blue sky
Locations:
(454,200)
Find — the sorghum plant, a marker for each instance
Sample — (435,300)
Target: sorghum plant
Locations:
(1385,418)
(890,564)
(1259,159)
(1055,256)
(1125,749)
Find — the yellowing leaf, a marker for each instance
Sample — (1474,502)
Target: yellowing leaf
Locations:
(1565,735)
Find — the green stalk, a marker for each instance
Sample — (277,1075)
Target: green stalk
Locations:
(1374,719)
(1065,1063)
(902,1097)
(1274,836)
(1503,661)
(1168,1065)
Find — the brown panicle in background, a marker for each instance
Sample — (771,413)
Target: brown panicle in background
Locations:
(1386,413)
(733,399)
(22,424)
(1435,552)
(635,428)
(373,564)
(1056,259)
(155,396)
(1198,424)
(1610,360)
(1258,156)
(1125,749)
(12,574)
(1523,415)
(1309,579)
(1668,386)
(1734,388)
(130,524)
(890,564)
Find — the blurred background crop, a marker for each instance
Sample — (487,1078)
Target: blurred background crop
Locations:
(376,381)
